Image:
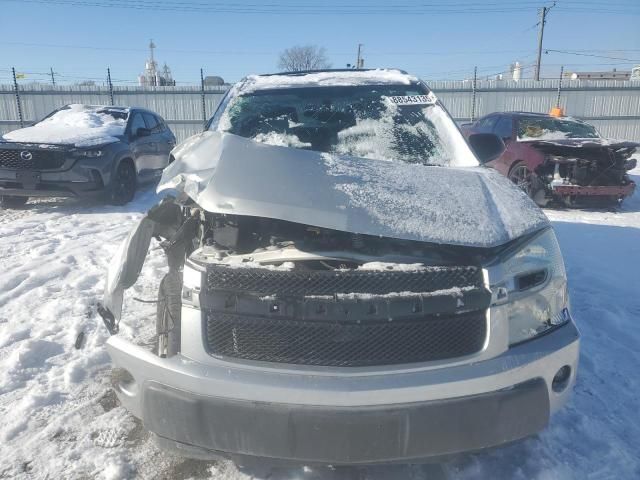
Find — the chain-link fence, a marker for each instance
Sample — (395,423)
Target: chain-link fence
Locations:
(612,106)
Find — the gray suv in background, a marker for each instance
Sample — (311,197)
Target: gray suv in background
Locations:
(84,150)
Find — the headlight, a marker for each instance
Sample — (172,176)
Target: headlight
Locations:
(90,153)
(533,285)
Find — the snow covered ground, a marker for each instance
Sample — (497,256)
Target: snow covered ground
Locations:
(59,417)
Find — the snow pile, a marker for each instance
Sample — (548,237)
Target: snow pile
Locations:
(281,140)
(327,79)
(79,125)
(456,292)
(393,267)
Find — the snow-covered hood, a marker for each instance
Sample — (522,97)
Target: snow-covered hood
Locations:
(77,125)
(225,173)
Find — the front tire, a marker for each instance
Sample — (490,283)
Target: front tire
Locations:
(528,182)
(522,177)
(7,201)
(123,184)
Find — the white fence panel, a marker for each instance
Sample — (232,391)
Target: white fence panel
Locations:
(612,106)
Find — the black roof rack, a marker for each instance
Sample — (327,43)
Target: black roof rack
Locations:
(328,70)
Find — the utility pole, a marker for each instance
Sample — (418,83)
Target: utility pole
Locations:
(204,104)
(560,86)
(473,98)
(17,95)
(543,20)
(360,60)
(110,85)
(53,78)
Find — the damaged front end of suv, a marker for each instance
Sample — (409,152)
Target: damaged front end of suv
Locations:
(574,164)
(327,308)
(582,172)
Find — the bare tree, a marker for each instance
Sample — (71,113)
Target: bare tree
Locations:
(309,57)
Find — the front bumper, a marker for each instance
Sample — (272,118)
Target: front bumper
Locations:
(595,191)
(53,189)
(345,416)
(78,178)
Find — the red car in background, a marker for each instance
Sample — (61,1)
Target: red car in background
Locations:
(559,158)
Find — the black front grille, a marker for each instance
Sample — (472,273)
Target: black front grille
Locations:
(323,343)
(39,159)
(344,317)
(330,282)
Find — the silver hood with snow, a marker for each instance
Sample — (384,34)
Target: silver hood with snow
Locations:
(474,206)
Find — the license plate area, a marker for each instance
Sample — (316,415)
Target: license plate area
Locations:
(28,178)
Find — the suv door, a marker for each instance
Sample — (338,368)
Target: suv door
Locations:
(503,128)
(143,148)
(161,155)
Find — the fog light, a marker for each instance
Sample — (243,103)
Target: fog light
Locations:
(123,382)
(96,178)
(561,379)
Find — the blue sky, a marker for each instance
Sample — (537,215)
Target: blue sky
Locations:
(431,38)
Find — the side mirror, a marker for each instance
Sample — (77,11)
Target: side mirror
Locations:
(143,132)
(486,146)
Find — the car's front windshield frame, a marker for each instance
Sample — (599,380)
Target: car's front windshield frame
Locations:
(560,128)
(437,131)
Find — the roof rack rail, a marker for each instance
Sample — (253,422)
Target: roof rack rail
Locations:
(325,70)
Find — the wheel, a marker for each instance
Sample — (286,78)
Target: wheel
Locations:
(123,185)
(529,183)
(522,177)
(12,202)
(168,314)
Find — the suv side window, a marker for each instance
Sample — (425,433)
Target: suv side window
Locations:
(152,122)
(504,128)
(162,126)
(136,122)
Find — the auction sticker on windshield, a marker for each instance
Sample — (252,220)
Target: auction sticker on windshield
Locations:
(429,99)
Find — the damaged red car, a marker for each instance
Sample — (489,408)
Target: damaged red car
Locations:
(560,159)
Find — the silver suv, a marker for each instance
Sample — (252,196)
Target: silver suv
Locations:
(346,285)
(84,151)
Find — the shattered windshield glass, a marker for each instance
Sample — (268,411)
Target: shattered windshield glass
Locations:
(390,122)
(547,128)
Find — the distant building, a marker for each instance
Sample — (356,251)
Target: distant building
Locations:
(516,71)
(153,76)
(611,75)
(635,73)
(213,81)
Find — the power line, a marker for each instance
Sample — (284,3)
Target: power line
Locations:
(253,52)
(317,9)
(322,8)
(567,52)
(367,4)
